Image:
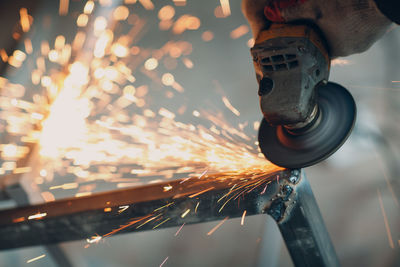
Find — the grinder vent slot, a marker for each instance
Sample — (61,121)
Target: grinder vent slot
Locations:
(279,62)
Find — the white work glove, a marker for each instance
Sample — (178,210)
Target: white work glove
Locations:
(348,26)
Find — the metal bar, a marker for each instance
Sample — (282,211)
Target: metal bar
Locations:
(167,204)
(285,195)
(301,224)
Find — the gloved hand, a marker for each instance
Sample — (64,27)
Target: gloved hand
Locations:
(349,26)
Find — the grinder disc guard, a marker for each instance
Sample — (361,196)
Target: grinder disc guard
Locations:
(305,147)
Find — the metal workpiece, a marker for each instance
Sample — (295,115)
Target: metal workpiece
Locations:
(283,194)
(168,204)
(301,225)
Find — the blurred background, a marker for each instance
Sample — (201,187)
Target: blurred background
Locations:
(147,64)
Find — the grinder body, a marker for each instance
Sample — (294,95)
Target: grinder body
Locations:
(290,61)
(306,119)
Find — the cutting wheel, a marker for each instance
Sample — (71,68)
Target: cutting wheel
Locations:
(314,143)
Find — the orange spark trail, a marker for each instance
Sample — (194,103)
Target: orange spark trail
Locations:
(23,12)
(242,221)
(126,226)
(201,192)
(63,10)
(389,234)
(217,226)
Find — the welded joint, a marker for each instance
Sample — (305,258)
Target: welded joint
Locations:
(281,204)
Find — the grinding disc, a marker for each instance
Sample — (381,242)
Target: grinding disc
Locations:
(333,124)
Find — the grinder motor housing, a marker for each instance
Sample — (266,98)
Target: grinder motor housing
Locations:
(290,61)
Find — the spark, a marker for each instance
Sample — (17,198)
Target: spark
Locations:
(165,206)
(88,9)
(83,194)
(94,239)
(121,13)
(23,12)
(239,31)
(197,205)
(203,173)
(188,63)
(229,106)
(65,186)
(63,10)
(126,226)
(108,209)
(151,64)
(217,226)
(37,258)
(166,113)
(147,4)
(166,13)
(265,188)
(226,9)
(242,221)
(167,188)
(168,79)
(166,220)
(185,213)
(47,196)
(3,55)
(82,20)
(17,220)
(123,208)
(201,192)
(386,177)
(164,261)
(180,228)
(385,220)
(179,2)
(340,62)
(207,36)
(149,220)
(37,216)
(22,170)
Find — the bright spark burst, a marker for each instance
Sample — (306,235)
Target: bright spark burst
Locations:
(90,116)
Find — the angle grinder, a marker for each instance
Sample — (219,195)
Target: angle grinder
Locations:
(306,118)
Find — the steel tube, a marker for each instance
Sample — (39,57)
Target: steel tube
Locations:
(301,225)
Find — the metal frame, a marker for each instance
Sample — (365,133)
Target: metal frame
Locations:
(285,195)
